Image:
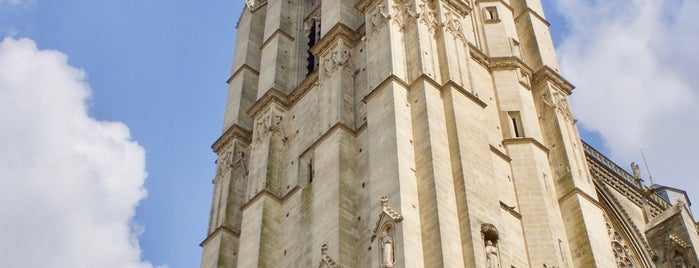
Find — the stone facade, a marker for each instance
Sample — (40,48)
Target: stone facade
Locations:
(418,133)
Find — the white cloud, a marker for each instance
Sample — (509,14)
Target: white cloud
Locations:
(634,65)
(70,183)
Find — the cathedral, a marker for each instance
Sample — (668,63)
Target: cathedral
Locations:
(420,133)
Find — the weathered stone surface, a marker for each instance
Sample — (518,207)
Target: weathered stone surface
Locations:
(418,133)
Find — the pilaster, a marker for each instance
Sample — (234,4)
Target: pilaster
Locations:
(438,210)
(576,192)
(334,194)
(278,46)
(242,84)
(392,168)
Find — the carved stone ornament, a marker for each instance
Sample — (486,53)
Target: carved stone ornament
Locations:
(428,16)
(379,18)
(402,14)
(339,59)
(326,261)
(452,23)
(270,125)
(254,4)
(224,164)
(619,248)
(559,101)
(240,163)
(227,162)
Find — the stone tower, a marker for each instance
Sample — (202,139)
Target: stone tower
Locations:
(407,133)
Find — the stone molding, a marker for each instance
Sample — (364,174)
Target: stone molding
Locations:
(471,95)
(271,96)
(529,10)
(502,2)
(275,34)
(508,63)
(620,217)
(478,55)
(285,101)
(220,229)
(580,192)
(546,74)
(499,153)
(337,127)
(526,141)
(243,67)
(339,31)
(423,78)
(233,132)
(265,192)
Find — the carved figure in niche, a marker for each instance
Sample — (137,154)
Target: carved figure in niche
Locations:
(491,254)
(387,249)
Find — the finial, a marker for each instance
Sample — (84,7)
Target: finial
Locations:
(384,201)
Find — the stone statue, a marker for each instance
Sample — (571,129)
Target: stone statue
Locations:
(636,171)
(491,253)
(386,250)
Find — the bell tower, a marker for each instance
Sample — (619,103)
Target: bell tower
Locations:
(400,133)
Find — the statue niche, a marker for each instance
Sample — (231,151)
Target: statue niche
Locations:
(490,241)
(384,233)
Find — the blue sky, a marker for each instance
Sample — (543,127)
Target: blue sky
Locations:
(159,67)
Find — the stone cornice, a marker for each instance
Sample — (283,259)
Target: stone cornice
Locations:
(276,33)
(424,78)
(505,4)
(499,153)
(222,229)
(339,31)
(459,6)
(464,92)
(272,196)
(240,70)
(526,141)
(272,95)
(233,132)
(363,5)
(388,80)
(478,55)
(508,63)
(303,88)
(549,75)
(286,101)
(580,192)
(336,127)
